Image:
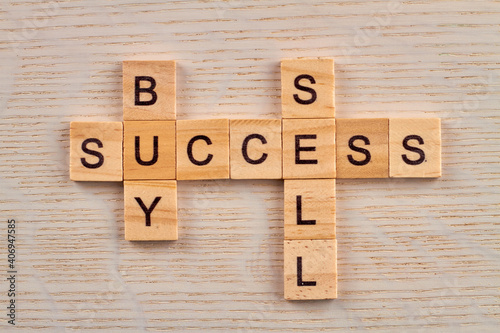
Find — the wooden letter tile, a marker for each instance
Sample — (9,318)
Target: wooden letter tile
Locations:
(310,269)
(151,210)
(308,148)
(310,209)
(148,90)
(203,149)
(149,150)
(415,147)
(96,151)
(362,148)
(255,149)
(308,88)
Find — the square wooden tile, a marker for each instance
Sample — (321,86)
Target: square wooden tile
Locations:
(308,88)
(203,149)
(96,151)
(149,150)
(415,147)
(151,210)
(309,209)
(310,269)
(308,148)
(149,90)
(255,149)
(362,148)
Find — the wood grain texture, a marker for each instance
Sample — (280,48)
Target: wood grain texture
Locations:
(202,149)
(96,151)
(308,148)
(414,134)
(362,147)
(148,90)
(309,209)
(307,88)
(255,149)
(413,255)
(150,210)
(310,269)
(152,143)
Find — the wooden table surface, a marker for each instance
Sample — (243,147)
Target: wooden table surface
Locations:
(414,255)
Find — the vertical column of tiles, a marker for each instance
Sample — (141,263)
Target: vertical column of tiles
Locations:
(203,149)
(255,149)
(151,210)
(149,150)
(96,151)
(362,148)
(149,112)
(308,148)
(415,147)
(307,88)
(308,96)
(149,90)
(310,269)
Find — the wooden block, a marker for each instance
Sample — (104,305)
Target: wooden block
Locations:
(255,149)
(310,209)
(203,149)
(308,148)
(415,147)
(96,151)
(362,148)
(308,88)
(151,210)
(149,150)
(149,90)
(310,269)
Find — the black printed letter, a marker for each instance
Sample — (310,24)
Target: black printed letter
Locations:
(244,149)
(301,283)
(298,149)
(150,90)
(300,221)
(190,150)
(359,150)
(92,152)
(149,210)
(138,151)
(413,149)
(307,89)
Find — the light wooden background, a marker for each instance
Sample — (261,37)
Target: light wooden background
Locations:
(414,255)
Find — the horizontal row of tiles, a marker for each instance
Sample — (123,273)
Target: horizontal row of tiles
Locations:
(255,149)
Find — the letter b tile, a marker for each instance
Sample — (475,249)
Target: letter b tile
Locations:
(149,90)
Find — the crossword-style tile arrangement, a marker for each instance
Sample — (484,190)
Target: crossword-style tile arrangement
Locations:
(151,150)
